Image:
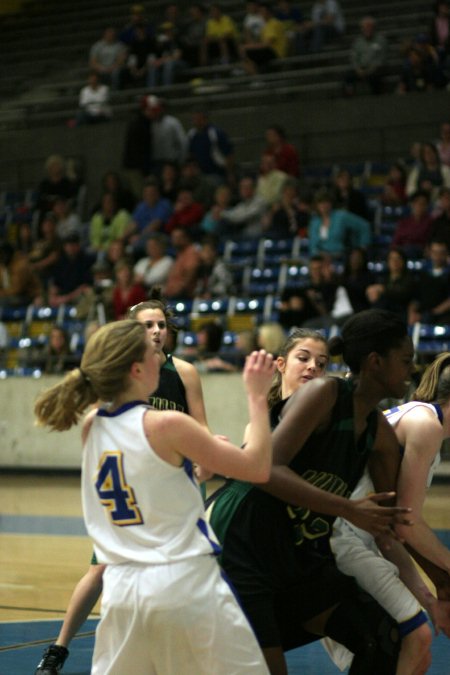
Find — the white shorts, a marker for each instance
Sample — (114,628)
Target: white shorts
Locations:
(180,618)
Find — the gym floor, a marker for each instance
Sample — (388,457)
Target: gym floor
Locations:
(44,551)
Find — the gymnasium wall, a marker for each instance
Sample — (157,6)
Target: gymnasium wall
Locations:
(23,445)
(325,131)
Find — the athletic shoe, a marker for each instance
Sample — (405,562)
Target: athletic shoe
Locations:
(52,660)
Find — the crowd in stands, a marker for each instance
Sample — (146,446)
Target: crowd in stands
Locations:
(167,217)
(153,53)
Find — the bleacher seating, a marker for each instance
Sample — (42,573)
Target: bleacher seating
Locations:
(58,35)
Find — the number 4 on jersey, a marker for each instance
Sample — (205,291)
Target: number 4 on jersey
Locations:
(114,493)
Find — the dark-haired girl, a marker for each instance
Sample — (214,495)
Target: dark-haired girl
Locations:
(276,542)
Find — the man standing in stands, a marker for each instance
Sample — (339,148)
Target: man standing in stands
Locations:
(212,149)
(368,58)
(168,138)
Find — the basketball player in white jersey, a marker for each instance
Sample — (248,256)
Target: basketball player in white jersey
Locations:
(165,607)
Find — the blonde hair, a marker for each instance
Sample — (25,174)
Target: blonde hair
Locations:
(105,366)
(435,382)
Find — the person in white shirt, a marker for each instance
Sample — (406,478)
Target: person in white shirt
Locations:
(154,268)
(94,102)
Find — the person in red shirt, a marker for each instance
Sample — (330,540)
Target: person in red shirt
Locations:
(187,213)
(287,158)
(413,233)
(126,293)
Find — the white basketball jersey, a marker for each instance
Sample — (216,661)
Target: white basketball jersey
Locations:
(137,507)
(394,415)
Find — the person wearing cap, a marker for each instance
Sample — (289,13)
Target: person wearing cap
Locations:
(168,138)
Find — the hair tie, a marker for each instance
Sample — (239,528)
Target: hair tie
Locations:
(85,377)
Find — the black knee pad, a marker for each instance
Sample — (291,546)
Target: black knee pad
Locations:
(368,631)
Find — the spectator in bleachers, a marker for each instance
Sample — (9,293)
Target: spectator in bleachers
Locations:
(169,182)
(205,355)
(311,301)
(395,288)
(245,218)
(137,20)
(126,291)
(93,102)
(194,180)
(334,230)
(187,213)
(440,32)
(327,22)
(431,297)
(271,180)
(443,144)
(168,138)
(107,57)
(356,278)
(67,221)
(23,241)
(368,58)
(272,43)
(211,147)
(55,184)
(140,52)
(107,224)
(96,301)
(57,357)
(286,155)
(253,23)
(173,15)
(72,275)
(346,196)
(430,175)
(114,253)
(419,72)
(394,188)
(440,226)
(46,250)
(150,215)
(221,36)
(19,284)
(136,158)
(413,231)
(295,25)
(212,219)
(165,62)
(153,269)
(112,183)
(289,217)
(214,278)
(192,40)
(183,273)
